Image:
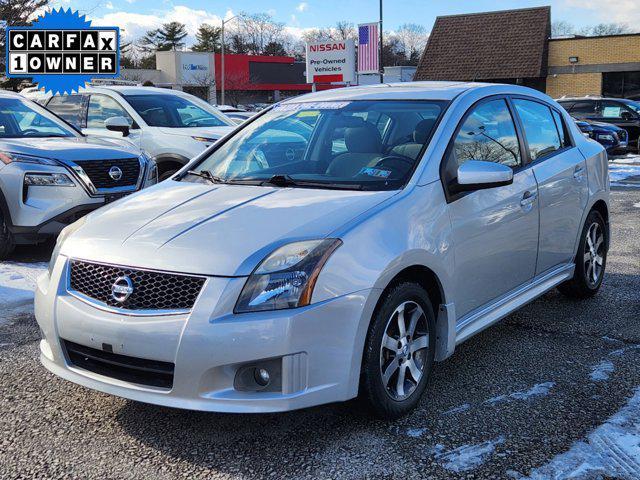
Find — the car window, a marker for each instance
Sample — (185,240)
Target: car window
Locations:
(103,107)
(487,134)
(24,119)
(539,128)
(175,111)
(583,108)
(69,107)
(562,129)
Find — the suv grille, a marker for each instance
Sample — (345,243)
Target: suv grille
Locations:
(98,172)
(622,135)
(129,369)
(151,290)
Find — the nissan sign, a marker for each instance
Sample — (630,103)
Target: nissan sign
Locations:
(330,62)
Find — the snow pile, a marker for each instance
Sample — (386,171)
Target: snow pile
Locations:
(601,371)
(539,389)
(623,168)
(17,284)
(461,408)
(611,451)
(466,457)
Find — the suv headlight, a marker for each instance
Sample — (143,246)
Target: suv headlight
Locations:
(605,137)
(6,158)
(64,234)
(286,278)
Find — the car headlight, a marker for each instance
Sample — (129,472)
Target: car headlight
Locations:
(152,173)
(48,180)
(286,278)
(64,234)
(7,157)
(605,137)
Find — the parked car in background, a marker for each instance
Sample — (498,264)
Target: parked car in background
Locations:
(36,94)
(614,139)
(171,126)
(620,112)
(268,277)
(237,114)
(51,174)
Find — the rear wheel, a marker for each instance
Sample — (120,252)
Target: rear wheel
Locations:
(591,259)
(6,239)
(399,352)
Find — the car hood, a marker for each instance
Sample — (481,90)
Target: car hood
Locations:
(213,132)
(70,148)
(605,126)
(211,229)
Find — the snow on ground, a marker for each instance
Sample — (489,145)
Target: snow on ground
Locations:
(624,168)
(601,371)
(466,457)
(610,451)
(17,284)
(539,389)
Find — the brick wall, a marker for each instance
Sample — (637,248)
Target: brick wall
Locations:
(578,84)
(597,50)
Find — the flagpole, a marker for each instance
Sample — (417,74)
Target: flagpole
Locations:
(380,65)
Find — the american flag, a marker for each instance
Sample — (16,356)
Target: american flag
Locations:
(368,42)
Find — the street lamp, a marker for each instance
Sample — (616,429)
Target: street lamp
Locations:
(222,102)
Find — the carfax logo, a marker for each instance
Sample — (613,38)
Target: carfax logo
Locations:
(61,51)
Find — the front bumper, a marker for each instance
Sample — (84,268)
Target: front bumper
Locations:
(318,348)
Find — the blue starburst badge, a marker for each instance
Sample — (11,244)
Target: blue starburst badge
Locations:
(61,51)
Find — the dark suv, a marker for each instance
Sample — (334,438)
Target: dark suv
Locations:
(617,111)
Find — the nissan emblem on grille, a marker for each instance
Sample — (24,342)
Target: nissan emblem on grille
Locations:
(115,173)
(122,289)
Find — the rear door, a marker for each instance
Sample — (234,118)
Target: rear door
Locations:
(560,171)
(495,230)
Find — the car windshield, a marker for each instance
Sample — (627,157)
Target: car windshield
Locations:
(635,106)
(175,111)
(24,119)
(350,144)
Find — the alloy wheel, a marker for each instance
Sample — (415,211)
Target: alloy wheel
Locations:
(403,353)
(594,254)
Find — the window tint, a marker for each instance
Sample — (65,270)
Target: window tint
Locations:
(562,130)
(176,111)
(539,128)
(102,107)
(69,107)
(487,134)
(583,108)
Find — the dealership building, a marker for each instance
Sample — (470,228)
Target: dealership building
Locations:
(514,46)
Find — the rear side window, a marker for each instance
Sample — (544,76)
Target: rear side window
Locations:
(562,129)
(583,108)
(539,128)
(70,108)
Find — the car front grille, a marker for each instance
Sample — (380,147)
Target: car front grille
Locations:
(151,291)
(153,373)
(622,135)
(98,172)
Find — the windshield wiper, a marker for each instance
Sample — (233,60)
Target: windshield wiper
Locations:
(288,181)
(207,175)
(281,181)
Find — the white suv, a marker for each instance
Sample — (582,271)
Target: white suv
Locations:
(170,126)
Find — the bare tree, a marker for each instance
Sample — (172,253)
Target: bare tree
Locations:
(252,33)
(562,28)
(605,29)
(412,38)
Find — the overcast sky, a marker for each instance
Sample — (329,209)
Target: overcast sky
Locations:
(137,16)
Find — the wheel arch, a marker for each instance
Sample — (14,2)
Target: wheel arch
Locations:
(166,161)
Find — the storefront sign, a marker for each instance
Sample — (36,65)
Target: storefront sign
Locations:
(330,62)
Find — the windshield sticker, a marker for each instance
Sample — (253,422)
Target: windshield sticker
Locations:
(375,172)
(295,107)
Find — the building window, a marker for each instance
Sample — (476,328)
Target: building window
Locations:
(621,84)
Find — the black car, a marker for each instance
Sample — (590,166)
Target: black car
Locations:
(612,138)
(621,112)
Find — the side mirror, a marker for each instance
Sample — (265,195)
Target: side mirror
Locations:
(627,116)
(476,175)
(118,124)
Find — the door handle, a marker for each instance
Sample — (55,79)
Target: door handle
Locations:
(578,173)
(528,198)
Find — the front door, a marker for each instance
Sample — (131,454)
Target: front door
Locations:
(560,170)
(495,230)
(102,107)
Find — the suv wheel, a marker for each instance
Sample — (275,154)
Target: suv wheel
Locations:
(591,260)
(6,239)
(399,352)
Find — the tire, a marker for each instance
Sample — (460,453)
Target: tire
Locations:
(386,396)
(166,174)
(590,269)
(6,239)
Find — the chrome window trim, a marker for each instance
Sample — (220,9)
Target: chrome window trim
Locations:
(122,311)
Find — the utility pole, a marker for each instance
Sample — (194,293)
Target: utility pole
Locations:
(380,55)
(222,102)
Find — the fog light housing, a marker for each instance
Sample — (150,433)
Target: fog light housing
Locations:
(264,376)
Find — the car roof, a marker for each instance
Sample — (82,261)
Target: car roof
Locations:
(9,94)
(132,90)
(394,91)
(581,99)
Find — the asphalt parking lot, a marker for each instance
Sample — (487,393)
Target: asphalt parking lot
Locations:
(550,392)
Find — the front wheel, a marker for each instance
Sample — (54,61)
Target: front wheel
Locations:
(591,259)
(6,239)
(399,352)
